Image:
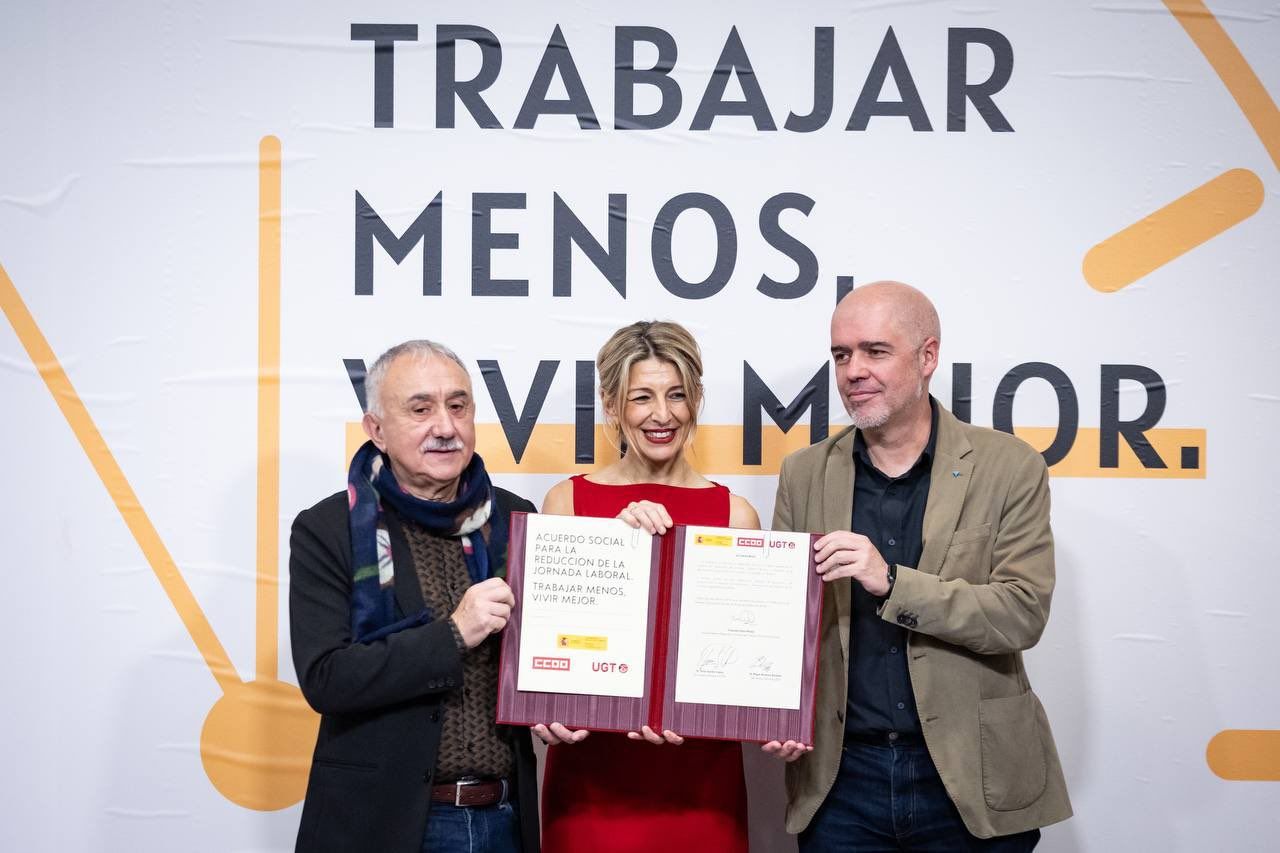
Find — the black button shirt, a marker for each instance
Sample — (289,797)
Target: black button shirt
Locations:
(890,512)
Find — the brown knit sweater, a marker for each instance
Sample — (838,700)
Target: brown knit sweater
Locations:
(470,744)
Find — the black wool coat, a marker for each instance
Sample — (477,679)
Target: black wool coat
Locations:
(381,703)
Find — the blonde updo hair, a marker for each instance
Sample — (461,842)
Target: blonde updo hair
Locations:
(660,339)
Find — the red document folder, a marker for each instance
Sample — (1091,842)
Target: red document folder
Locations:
(657,707)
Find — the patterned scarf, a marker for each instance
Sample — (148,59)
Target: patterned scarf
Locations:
(370,483)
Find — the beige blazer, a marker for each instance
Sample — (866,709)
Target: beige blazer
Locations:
(979,597)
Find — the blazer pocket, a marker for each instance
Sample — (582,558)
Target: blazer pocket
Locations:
(970,534)
(1014,772)
(968,554)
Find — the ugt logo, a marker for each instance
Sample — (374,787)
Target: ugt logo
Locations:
(608,666)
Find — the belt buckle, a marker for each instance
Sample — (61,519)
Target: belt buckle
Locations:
(464,782)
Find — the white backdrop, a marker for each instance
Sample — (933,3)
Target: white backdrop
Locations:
(130,231)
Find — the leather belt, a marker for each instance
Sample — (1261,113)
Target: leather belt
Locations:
(471,792)
(885,738)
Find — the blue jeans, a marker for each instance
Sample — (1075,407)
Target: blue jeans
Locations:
(890,798)
(472,829)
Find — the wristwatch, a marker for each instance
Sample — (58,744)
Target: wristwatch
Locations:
(893,577)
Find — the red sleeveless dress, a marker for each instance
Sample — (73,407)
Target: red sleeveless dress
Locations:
(610,794)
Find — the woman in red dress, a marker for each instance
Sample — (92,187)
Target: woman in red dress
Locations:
(646,791)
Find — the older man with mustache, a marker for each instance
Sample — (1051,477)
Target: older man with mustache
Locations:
(396,593)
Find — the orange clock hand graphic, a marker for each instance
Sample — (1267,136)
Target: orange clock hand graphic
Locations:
(257,738)
(1174,230)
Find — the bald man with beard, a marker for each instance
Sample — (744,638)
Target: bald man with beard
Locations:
(938,562)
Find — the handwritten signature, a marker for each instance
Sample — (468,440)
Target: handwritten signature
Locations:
(761,665)
(716,657)
(745,617)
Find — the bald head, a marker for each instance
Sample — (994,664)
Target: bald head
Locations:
(909,310)
(884,345)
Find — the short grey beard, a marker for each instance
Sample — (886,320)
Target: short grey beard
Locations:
(869,421)
(865,422)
